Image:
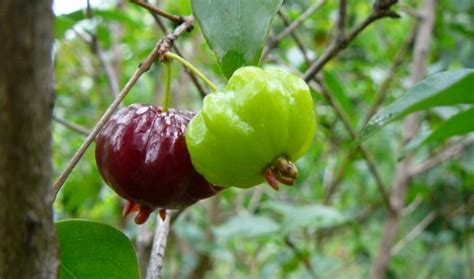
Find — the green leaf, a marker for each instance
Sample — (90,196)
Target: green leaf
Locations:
(336,87)
(441,89)
(246,226)
(235,30)
(65,22)
(459,124)
(314,216)
(95,250)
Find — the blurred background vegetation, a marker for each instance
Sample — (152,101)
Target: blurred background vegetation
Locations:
(299,231)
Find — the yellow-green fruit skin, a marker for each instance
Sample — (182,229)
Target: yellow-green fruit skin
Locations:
(260,115)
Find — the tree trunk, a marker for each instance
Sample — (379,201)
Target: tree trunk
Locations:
(27,237)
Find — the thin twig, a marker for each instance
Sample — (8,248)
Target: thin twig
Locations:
(160,48)
(93,44)
(73,126)
(292,26)
(157,256)
(295,37)
(365,153)
(95,47)
(306,261)
(379,97)
(396,62)
(416,231)
(191,75)
(339,43)
(402,175)
(341,21)
(175,18)
(410,11)
(448,154)
(255,199)
(108,70)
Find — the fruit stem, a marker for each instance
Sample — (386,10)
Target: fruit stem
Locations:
(166,100)
(193,69)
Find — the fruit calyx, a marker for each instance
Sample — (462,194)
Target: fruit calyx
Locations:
(281,170)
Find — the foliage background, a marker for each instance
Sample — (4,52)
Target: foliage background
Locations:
(260,233)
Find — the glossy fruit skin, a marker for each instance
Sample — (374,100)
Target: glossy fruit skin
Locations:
(142,155)
(260,116)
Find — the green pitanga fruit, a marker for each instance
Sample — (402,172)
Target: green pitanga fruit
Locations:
(254,130)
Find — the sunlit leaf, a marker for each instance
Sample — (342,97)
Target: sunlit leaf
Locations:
(235,30)
(441,89)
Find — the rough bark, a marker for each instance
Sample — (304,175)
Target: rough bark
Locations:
(402,175)
(27,236)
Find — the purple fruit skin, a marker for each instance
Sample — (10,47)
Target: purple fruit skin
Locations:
(141,153)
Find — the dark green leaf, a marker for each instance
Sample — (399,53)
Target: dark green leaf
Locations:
(95,250)
(441,89)
(235,30)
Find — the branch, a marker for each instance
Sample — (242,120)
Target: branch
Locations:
(341,21)
(73,126)
(95,47)
(402,175)
(306,262)
(345,119)
(191,75)
(448,154)
(159,246)
(292,26)
(381,10)
(295,37)
(160,49)
(255,199)
(380,96)
(416,231)
(397,61)
(155,10)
